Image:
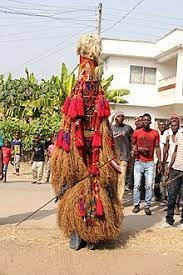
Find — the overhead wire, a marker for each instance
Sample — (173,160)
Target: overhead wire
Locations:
(123,17)
(44,16)
(43,55)
(43,5)
(140,12)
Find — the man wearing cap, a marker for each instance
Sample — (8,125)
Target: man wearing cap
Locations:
(122,134)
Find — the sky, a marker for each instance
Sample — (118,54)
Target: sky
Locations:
(40,35)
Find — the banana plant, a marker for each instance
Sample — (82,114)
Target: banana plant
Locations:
(115,95)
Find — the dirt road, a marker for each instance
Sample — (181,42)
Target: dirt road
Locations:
(38,247)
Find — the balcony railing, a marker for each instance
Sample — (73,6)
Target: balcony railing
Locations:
(167,83)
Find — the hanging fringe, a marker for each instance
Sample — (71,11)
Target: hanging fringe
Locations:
(66,142)
(79,140)
(97,140)
(66,105)
(59,139)
(80,105)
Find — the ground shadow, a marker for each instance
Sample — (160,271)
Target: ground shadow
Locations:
(19,217)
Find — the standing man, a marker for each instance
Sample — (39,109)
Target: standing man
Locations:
(145,141)
(37,160)
(175,173)
(122,134)
(17,147)
(168,150)
(158,177)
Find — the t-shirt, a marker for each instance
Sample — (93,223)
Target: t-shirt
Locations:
(38,149)
(6,154)
(51,147)
(146,142)
(17,146)
(178,164)
(122,137)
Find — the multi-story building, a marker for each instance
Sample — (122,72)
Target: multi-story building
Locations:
(152,71)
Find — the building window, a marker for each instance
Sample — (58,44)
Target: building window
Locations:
(142,75)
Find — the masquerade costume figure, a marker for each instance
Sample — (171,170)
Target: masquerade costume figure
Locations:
(88,210)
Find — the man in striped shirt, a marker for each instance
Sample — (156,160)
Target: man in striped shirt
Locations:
(175,173)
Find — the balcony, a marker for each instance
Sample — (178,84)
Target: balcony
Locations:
(167,83)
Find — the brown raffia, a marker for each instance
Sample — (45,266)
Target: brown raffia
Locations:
(68,168)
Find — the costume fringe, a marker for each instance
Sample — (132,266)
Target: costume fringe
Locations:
(69,168)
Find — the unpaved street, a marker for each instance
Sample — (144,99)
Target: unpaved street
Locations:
(38,247)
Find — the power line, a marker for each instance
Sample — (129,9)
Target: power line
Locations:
(41,5)
(151,14)
(44,16)
(47,10)
(124,16)
(43,55)
(141,24)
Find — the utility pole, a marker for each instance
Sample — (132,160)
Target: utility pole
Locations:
(99,18)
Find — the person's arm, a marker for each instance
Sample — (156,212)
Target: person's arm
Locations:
(134,152)
(21,149)
(166,149)
(158,153)
(1,164)
(167,172)
(32,155)
(130,137)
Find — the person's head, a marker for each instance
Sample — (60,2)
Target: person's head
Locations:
(161,126)
(119,118)
(6,143)
(138,122)
(174,117)
(146,118)
(17,135)
(36,137)
(174,126)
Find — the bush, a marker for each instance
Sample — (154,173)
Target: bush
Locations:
(45,126)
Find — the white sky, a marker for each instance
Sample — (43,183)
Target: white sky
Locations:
(42,43)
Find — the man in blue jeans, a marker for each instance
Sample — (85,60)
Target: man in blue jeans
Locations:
(145,141)
(175,174)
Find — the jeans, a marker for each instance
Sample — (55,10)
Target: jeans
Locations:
(148,169)
(174,188)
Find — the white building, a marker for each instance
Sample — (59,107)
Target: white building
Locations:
(152,71)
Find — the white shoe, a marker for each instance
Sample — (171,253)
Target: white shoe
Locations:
(180,226)
(164,225)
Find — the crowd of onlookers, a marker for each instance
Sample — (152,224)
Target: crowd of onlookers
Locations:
(151,163)
(12,152)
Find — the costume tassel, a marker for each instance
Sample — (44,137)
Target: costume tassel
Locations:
(80,106)
(97,140)
(66,105)
(107,108)
(79,141)
(72,111)
(101,107)
(99,207)
(59,140)
(66,142)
